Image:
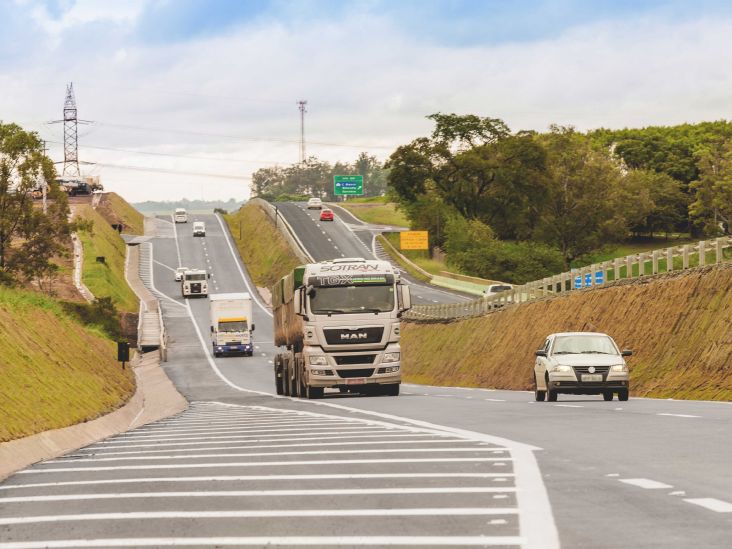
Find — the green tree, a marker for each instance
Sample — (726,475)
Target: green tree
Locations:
(29,239)
(711,209)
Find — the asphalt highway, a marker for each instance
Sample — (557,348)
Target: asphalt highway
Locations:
(434,467)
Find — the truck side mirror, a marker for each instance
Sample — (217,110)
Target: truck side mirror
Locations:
(252,328)
(406,298)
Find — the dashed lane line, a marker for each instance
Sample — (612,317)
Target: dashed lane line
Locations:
(713,504)
(677,415)
(645,483)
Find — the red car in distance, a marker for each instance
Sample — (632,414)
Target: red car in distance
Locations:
(326,215)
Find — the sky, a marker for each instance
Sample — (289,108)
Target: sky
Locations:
(187,98)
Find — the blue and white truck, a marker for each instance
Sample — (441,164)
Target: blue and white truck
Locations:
(231,324)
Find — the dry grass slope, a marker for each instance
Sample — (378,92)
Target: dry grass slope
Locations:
(53,372)
(116,209)
(679,325)
(265,252)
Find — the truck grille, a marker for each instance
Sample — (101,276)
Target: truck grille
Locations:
(341,336)
(354,359)
(196,288)
(361,372)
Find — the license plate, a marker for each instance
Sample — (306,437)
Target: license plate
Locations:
(356,381)
(591,377)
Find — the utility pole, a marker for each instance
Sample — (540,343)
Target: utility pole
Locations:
(43,182)
(301,106)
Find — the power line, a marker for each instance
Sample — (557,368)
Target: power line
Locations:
(175,172)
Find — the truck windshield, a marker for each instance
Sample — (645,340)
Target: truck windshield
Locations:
(196,277)
(233,326)
(569,345)
(352,299)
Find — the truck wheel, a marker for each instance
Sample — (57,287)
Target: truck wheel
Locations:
(607,395)
(279,386)
(314,392)
(392,390)
(551,395)
(623,394)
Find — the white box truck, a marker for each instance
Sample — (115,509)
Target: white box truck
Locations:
(180,215)
(339,322)
(231,324)
(194,283)
(199,228)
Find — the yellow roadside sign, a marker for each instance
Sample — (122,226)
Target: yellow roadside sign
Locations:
(414,240)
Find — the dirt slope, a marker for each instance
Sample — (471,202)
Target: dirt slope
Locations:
(678,324)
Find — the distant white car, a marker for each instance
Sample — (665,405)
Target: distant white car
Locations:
(315,204)
(497,288)
(581,363)
(179,273)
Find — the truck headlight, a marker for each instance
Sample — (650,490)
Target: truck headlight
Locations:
(562,369)
(318,360)
(619,368)
(390,357)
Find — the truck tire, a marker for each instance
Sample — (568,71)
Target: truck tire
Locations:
(392,390)
(311,393)
(623,395)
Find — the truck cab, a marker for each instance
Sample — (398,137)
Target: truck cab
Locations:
(199,228)
(341,322)
(194,283)
(180,215)
(231,324)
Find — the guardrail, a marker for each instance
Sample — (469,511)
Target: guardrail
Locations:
(163,349)
(674,258)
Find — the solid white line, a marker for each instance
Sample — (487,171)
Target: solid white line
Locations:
(254,293)
(164,265)
(272,454)
(170,436)
(239,426)
(117,443)
(311,541)
(274,513)
(645,483)
(262,493)
(37,470)
(712,504)
(177,246)
(241,446)
(494,400)
(568,406)
(677,415)
(249,478)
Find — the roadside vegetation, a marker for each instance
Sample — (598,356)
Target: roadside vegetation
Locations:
(377,210)
(266,253)
(56,369)
(680,351)
(105,279)
(116,209)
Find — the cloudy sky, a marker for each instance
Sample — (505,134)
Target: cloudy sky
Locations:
(186,98)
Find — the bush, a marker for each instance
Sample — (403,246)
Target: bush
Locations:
(101,313)
(472,248)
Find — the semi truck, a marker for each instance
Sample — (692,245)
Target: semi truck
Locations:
(339,324)
(231,324)
(194,283)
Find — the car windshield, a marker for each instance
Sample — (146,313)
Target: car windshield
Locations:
(233,326)
(196,277)
(600,344)
(352,299)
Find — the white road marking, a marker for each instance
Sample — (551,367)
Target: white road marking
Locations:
(613,475)
(232,478)
(167,441)
(645,483)
(264,354)
(261,493)
(270,541)
(568,406)
(494,399)
(677,493)
(677,415)
(274,513)
(164,265)
(39,470)
(713,504)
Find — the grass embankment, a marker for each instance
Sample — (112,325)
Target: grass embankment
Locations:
(677,324)
(265,252)
(375,210)
(116,209)
(420,258)
(54,372)
(105,279)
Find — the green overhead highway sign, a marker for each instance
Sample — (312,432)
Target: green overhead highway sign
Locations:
(348,185)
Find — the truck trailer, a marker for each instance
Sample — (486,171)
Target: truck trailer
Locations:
(194,283)
(339,324)
(231,324)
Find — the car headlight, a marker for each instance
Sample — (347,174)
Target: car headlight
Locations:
(619,368)
(390,357)
(318,360)
(562,369)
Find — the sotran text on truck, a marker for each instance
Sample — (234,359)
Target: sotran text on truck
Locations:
(338,323)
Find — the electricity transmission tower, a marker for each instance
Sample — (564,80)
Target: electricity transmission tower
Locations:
(71,135)
(301,106)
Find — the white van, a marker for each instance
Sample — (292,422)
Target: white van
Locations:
(199,228)
(180,215)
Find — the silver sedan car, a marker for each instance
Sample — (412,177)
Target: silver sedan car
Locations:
(582,363)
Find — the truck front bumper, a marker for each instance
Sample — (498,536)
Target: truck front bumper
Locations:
(328,377)
(244,348)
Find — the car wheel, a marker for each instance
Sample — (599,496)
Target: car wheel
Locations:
(539,396)
(623,394)
(607,395)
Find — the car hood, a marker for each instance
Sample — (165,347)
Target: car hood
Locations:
(587,360)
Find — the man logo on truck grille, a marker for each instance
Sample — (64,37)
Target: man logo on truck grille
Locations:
(360,335)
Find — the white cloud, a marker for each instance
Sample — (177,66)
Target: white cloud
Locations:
(366,82)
